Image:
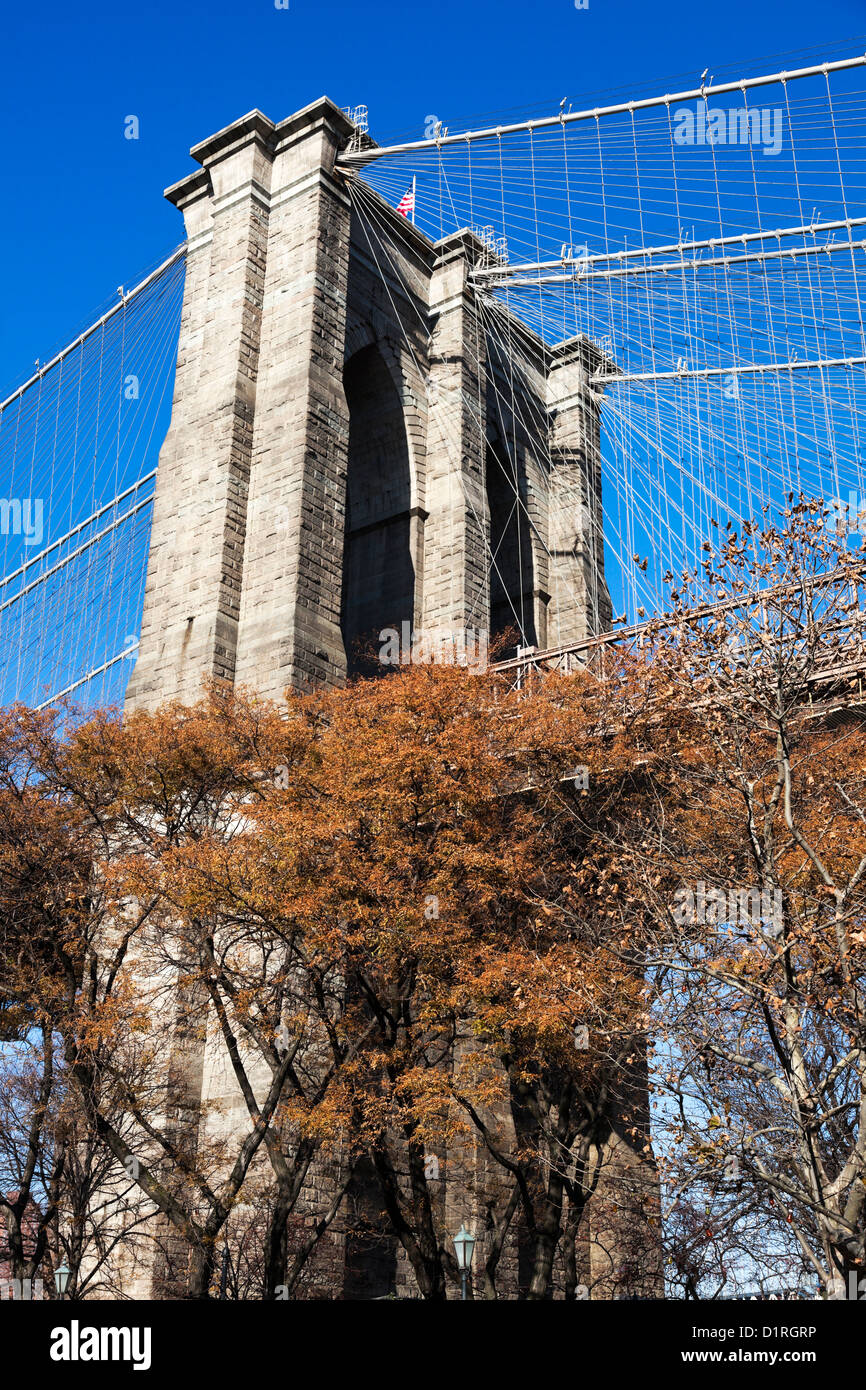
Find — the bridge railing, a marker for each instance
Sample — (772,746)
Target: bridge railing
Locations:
(838,595)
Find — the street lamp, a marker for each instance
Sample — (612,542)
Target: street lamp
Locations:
(61,1279)
(464,1244)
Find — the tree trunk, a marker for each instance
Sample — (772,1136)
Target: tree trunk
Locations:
(546,1240)
(201,1270)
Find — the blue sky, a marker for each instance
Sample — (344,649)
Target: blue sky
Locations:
(84,209)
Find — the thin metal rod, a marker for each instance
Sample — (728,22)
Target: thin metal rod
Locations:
(729,371)
(361,157)
(82,337)
(665,266)
(97,671)
(73,554)
(94,516)
(807,229)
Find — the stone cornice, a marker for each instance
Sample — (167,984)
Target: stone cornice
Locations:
(253,126)
(188,189)
(323,111)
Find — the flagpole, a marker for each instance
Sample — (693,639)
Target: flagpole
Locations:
(413,199)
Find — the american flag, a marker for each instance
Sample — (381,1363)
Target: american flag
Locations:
(406,204)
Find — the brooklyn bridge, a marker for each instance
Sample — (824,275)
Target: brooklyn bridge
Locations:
(513,403)
(505,380)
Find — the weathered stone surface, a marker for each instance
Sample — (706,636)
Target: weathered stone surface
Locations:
(357,442)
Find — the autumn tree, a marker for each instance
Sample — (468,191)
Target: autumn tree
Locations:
(426,847)
(53,915)
(378,909)
(751,867)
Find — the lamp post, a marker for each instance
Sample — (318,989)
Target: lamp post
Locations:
(61,1279)
(464,1244)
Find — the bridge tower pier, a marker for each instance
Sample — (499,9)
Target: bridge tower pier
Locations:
(349,450)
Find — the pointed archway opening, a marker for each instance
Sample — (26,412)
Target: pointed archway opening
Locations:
(378,570)
(512,603)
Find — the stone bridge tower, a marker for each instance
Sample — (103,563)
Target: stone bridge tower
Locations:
(345,445)
(349,451)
